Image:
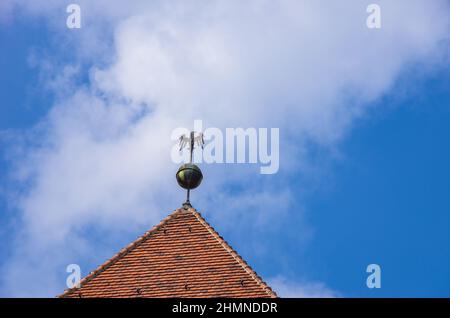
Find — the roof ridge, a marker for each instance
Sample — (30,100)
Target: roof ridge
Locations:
(227,247)
(121,253)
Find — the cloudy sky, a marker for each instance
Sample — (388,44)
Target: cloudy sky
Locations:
(86,117)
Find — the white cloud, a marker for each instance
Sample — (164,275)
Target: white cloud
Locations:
(286,288)
(103,157)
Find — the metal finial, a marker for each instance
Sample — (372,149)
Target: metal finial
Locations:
(189,176)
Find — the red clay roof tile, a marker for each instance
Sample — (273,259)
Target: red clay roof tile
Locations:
(182,256)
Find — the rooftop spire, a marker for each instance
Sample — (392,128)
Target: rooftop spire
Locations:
(189,176)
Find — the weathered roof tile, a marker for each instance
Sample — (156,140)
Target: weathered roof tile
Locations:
(182,256)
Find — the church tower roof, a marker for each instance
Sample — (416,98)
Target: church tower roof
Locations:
(182,256)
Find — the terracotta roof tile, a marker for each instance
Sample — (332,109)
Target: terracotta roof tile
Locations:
(182,256)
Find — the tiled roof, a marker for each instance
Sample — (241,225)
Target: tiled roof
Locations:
(183,256)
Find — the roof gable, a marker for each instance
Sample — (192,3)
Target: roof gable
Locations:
(182,256)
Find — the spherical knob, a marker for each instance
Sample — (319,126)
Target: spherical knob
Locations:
(189,176)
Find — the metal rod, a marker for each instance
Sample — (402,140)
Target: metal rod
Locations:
(190,161)
(192,146)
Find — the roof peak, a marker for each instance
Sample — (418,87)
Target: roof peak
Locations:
(184,233)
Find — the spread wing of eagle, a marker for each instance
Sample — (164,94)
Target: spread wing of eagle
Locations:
(185,140)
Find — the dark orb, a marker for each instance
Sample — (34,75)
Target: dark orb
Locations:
(189,176)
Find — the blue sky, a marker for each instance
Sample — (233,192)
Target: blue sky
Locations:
(389,200)
(364,175)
